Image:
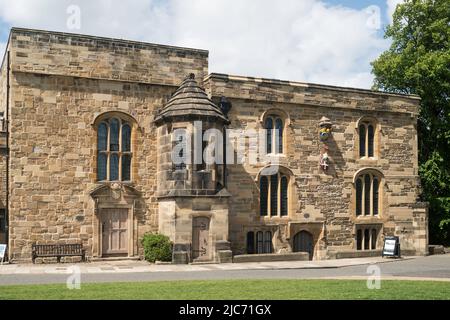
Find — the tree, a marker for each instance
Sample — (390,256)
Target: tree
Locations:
(418,62)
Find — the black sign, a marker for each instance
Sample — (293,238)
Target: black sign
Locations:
(391,247)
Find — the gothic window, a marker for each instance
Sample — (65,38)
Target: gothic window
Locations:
(367,198)
(366,139)
(366,237)
(273,192)
(114,150)
(274,134)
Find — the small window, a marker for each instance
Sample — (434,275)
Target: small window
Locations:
(374,239)
(268,242)
(250,242)
(179,145)
(359,239)
(2,220)
(259,242)
(274,134)
(366,238)
(366,133)
(263,242)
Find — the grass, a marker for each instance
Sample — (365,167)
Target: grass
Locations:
(234,289)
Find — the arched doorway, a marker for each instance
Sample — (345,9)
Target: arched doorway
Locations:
(303,242)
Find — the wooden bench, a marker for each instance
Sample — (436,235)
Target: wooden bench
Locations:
(58,251)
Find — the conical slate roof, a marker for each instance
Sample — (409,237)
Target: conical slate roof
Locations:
(189,100)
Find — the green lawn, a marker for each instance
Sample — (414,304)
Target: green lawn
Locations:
(235,289)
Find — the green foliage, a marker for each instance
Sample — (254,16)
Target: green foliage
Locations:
(418,62)
(157,247)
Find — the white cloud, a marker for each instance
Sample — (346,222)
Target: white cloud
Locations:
(391,5)
(298,40)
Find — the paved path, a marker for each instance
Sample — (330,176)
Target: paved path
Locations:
(432,267)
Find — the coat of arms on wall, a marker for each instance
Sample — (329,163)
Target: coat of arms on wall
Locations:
(324,134)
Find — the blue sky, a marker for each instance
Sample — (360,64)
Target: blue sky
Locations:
(321,41)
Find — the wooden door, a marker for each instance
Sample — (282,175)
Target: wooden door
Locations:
(303,242)
(115,232)
(200,238)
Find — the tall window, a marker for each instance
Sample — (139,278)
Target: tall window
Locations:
(366,139)
(273,195)
(367,194)
(274,134)
(114,150)
(366,238)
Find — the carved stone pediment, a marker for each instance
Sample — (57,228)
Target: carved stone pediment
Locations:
(114,191)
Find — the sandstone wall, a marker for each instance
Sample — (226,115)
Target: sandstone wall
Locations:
(60,83)
(103,58)
(318,196)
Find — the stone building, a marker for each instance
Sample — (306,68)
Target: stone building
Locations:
(89,126)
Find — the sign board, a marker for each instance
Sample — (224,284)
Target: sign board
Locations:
(2,251)
(391,247)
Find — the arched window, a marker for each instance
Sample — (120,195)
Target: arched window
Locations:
(366,138)
(114,150)
(274,134)
(367,198)
(274,195)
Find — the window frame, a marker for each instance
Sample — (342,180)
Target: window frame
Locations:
(262,241)
(269,197)
(120,153)
(361,239)
(274,143)
(362,194)
(366,123)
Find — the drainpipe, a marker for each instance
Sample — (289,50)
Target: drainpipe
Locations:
(8,70)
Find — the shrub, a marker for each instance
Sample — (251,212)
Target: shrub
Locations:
(157,247)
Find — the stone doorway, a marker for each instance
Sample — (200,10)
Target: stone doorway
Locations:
(303,242)
(201,247)
(114,225)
